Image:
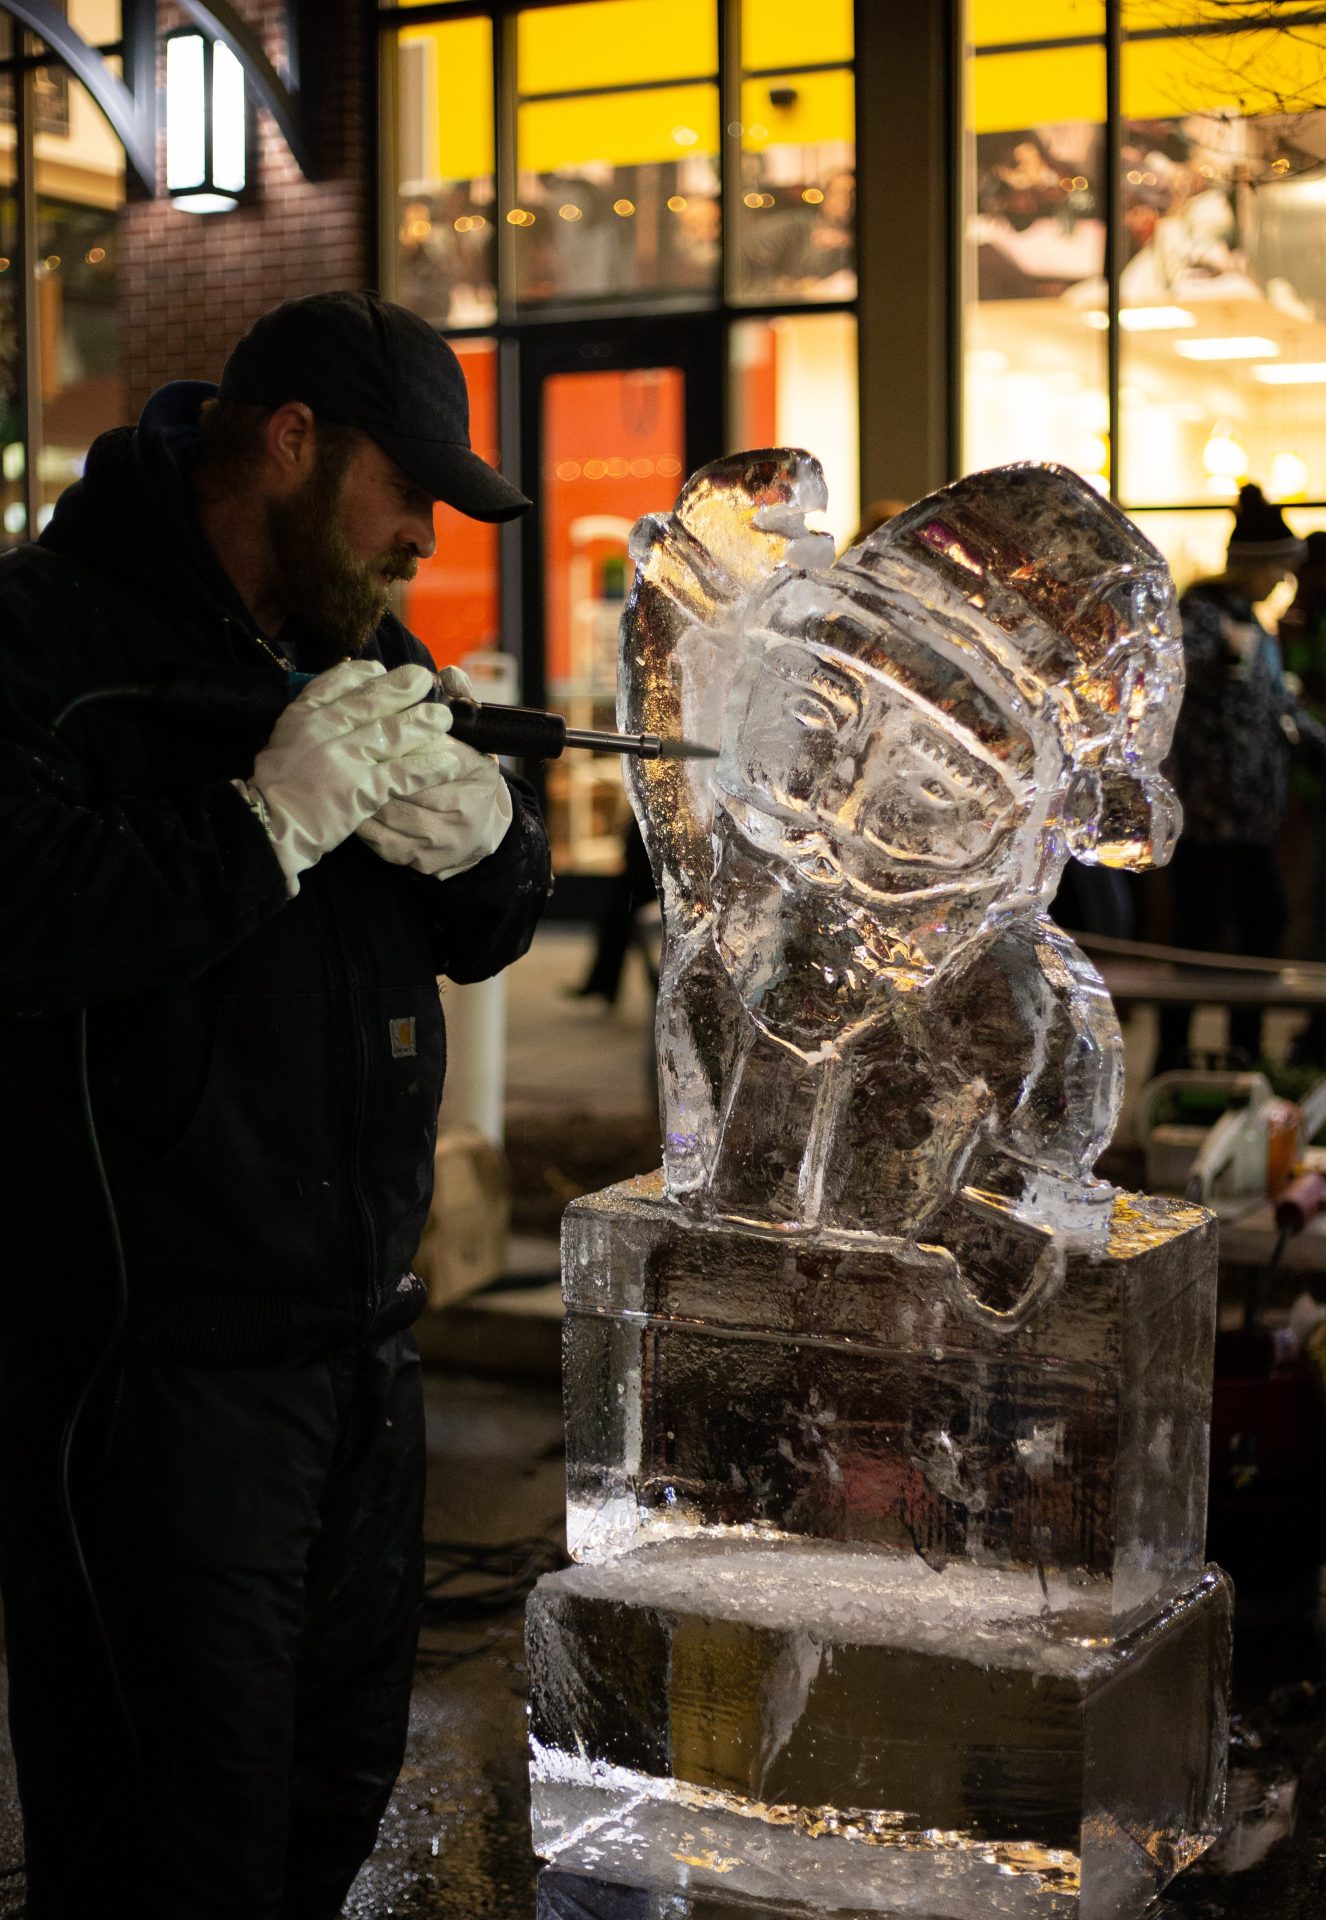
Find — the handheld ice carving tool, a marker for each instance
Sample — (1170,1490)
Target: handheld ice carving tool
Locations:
(531,733)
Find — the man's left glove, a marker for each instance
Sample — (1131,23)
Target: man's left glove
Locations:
(445,829)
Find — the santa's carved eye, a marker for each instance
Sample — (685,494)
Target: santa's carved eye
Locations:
(813,714)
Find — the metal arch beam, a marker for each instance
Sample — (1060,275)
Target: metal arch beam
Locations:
(132,116)
(224,23)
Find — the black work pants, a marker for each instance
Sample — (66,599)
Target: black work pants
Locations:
(254,1537)
(1228,893)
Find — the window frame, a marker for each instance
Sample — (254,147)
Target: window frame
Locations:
(1112,40)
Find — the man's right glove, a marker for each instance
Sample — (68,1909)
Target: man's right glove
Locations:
(354,739)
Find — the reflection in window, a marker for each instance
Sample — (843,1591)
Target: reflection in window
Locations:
(79,191)
(1035,240)
(1223,290)
(13,430)
(452,602)
(446,216)
(793,384)
(617,191)
(795,145)
(98,21)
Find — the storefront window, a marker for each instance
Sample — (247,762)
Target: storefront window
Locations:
(443,260)
(617,152)
(793,383)
(1225,217)
(1222,260)
(796,211)
(98,21)
(642,156)
(79,174)
(1035,386)
(452,602)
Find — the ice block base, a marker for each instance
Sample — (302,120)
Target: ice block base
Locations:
(805,1725)
(722,1378)
(575,1896)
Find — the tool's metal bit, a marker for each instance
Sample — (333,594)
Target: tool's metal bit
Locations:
(685,750)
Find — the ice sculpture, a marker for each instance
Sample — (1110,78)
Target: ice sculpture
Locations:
(863,1000)
(886,1418)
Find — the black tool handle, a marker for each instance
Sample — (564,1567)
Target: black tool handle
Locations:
(519,732)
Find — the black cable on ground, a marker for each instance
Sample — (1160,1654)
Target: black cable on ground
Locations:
(468,1581)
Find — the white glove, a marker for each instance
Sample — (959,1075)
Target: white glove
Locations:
(355,738)
(447,828)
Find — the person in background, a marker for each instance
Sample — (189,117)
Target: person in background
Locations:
(1303,644)
(630,891)
(1239,725)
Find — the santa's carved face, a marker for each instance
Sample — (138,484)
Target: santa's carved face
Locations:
(850,776)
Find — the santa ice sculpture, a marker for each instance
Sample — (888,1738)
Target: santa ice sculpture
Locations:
(886,1421)
(865,1008)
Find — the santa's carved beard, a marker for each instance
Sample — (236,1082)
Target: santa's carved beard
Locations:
(336,601)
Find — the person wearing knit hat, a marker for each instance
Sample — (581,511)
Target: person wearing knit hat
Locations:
(1262,539)
(1239,726)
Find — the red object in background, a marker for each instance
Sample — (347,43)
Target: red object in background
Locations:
(613,448)
(452,602)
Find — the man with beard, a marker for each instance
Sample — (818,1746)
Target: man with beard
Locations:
(225,912)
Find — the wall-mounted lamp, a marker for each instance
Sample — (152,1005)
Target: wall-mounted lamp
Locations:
(206,124)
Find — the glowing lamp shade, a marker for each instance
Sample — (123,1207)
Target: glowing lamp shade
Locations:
(206,131)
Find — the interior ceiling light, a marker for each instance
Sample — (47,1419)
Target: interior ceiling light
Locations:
(1303,373)
(1244,346)
(1144,319)
(1223,456)
(1288,477)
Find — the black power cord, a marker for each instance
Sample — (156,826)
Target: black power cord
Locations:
(101,1365)
(469,1581)
(466,1582)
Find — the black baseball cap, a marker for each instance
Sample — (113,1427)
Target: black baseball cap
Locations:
(361,360)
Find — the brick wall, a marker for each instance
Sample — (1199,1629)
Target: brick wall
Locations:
(190,284)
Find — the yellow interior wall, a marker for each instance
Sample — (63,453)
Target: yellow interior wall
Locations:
(606,43)
(1247,73)
(785,33)
(628,129)
(462,132)
(1031,89)
(1139,15)
(995,23)
(823,110)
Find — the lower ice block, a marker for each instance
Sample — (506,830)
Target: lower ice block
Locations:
(577,1896)
(833,1732)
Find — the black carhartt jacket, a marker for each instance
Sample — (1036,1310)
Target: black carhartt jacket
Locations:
(264,1073)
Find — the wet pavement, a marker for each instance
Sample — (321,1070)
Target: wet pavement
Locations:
(455,1844)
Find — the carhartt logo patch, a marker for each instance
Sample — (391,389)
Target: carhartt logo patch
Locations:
(403,1043)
